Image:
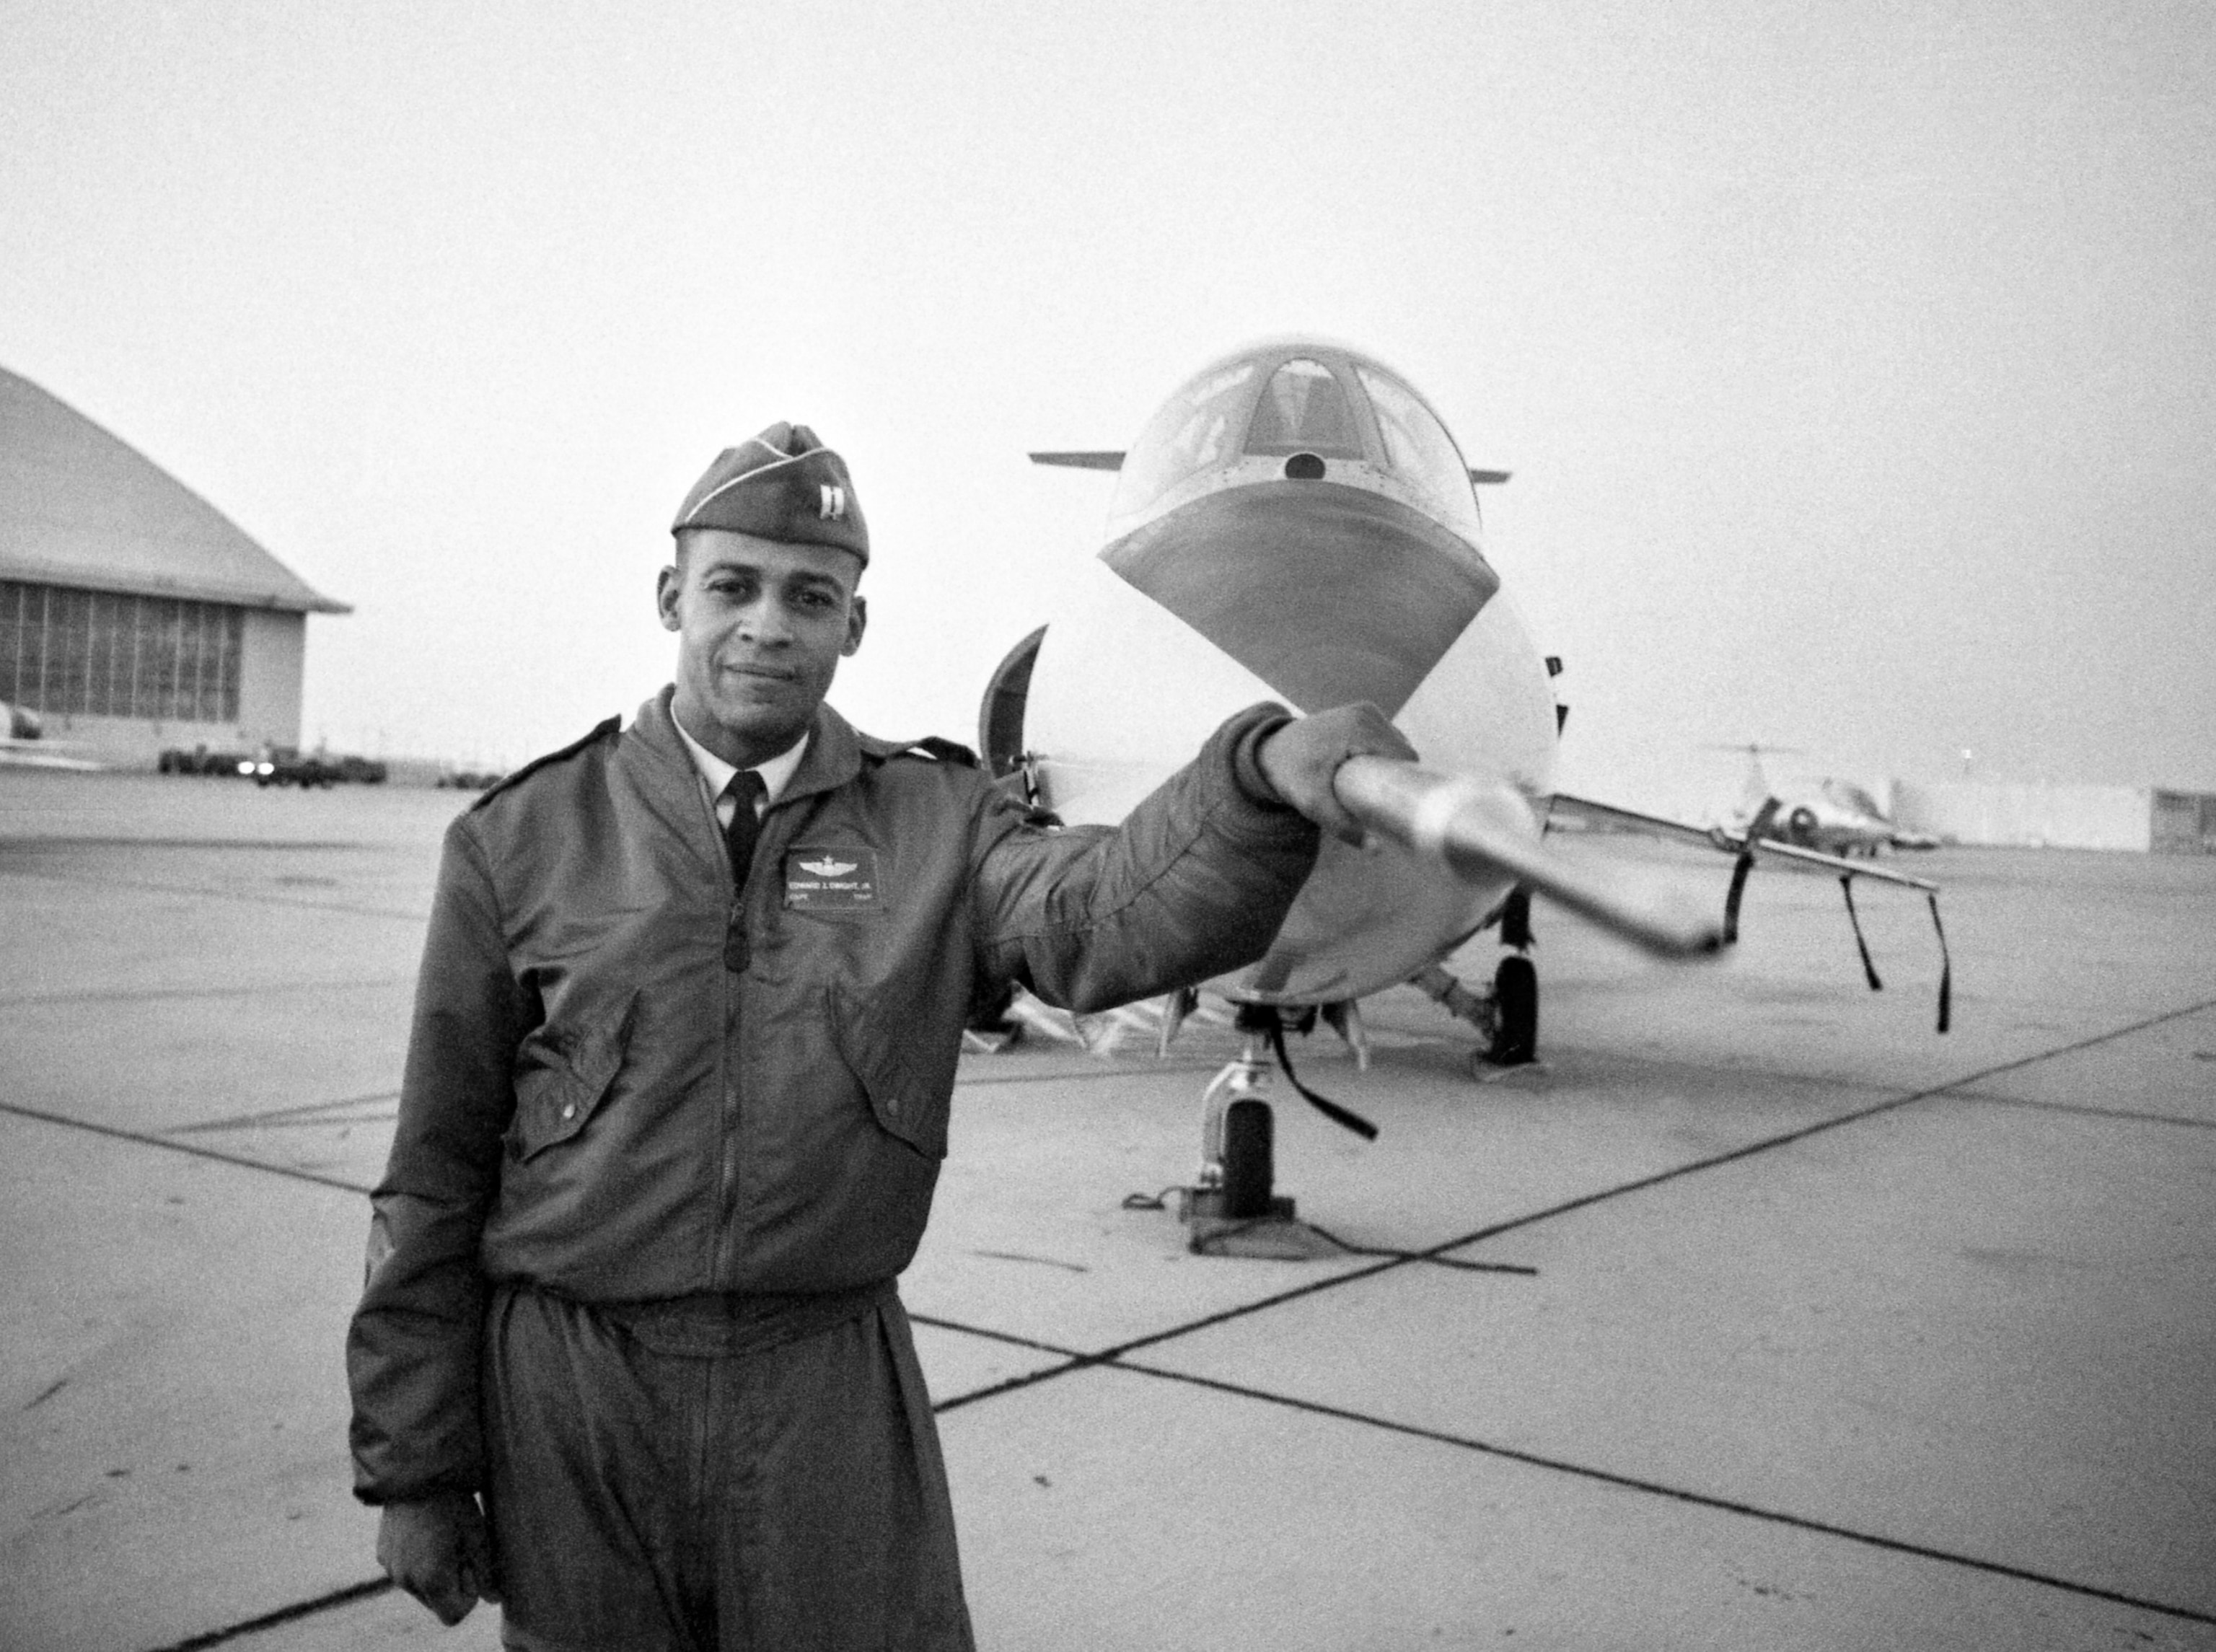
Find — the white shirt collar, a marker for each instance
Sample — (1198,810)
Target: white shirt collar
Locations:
(716,773)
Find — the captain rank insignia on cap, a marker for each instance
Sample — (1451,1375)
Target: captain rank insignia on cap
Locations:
(783,484)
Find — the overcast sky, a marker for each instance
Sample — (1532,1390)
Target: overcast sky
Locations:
(1857,362)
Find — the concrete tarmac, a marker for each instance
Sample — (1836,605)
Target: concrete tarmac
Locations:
(1756,1315)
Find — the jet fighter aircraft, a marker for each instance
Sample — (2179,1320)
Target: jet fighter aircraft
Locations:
(1837,817)
(25,744)
(1295,523)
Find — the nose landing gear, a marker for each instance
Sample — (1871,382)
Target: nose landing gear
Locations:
(1508,1016)
(1514,1013)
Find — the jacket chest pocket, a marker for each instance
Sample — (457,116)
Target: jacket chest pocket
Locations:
(564,1071)
(908,1097)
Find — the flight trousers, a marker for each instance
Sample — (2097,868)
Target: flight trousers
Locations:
(672,1478)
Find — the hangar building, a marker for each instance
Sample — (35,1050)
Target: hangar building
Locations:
(2043,816)
(135,615)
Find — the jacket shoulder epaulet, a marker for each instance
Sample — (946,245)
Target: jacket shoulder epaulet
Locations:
(603,732)
(931,749)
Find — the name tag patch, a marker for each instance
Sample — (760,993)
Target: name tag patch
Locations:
(836,878)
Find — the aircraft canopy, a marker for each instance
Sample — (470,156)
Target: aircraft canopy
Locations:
(1293,398)
(1303,411)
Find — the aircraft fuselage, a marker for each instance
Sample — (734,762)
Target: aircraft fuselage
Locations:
(1296,524)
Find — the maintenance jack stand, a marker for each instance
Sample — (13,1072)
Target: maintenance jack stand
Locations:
(1232,1209)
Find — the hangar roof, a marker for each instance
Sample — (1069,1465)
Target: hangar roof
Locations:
(78,507)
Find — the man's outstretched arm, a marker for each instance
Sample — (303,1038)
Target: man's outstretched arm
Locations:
(1194,881)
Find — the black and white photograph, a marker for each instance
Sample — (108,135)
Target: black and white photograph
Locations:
(1257,828)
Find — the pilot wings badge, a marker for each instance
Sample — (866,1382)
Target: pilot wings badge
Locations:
(820,878)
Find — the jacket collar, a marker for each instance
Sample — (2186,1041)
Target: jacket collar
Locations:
(671,782)
(833,758)
(654,753)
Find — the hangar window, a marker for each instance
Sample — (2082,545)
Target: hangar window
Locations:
(67,653)
(1304,410)
(1417,446)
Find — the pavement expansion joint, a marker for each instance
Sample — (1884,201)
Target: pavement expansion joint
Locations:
(2089,1041)
(306,1112)
(2125,1115)
(1432,1258)
(1856,1115)
(938,1323)
(144,1139)
(283,1615)
(1679,1494)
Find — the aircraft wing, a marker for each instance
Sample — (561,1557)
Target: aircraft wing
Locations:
(1088,459)
(1750,845)
(1815,860)
(1608,817)
(39,753)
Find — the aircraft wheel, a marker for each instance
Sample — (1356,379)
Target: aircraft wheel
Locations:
(1248,1170)
(1515,1012)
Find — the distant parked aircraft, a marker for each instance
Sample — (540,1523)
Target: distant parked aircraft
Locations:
(25,744)
(1837,817)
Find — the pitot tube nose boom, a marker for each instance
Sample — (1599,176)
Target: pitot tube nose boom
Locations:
(1475,828)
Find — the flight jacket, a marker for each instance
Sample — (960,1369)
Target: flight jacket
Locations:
(622,1086)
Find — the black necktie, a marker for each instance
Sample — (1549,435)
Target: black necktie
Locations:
(745,791)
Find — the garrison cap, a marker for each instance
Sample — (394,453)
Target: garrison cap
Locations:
(783,484)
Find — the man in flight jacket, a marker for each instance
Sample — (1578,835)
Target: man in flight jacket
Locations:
(630,1357)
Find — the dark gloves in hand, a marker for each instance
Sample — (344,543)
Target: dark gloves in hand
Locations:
(439,1549)
(1300,758)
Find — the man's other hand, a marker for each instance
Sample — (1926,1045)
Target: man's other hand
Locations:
(439,1549)
(1300,758)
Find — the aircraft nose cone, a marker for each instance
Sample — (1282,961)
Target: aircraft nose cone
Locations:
(1329,593)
